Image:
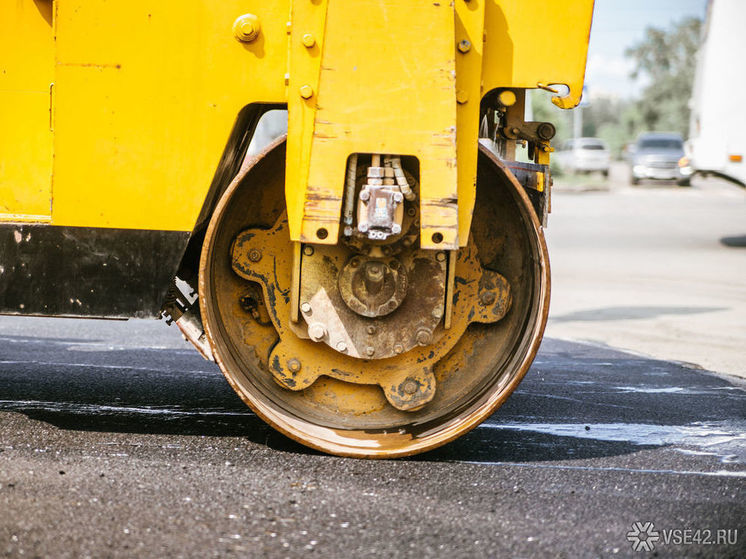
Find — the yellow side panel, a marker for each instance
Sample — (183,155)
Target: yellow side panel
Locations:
(386,84)
(146,94)
(26,73)
(538,42)
(470,28)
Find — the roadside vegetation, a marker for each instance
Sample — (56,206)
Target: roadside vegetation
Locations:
(666,60)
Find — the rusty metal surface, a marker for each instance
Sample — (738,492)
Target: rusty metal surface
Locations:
(392,351)
(475,368)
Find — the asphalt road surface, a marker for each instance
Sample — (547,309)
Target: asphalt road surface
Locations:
(117,439)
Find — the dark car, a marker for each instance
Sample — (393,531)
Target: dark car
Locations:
(660,156)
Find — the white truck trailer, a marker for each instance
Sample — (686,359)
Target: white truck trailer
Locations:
(717,128)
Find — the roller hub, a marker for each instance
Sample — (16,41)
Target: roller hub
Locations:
(373,287)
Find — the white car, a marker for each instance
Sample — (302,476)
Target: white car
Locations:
(583,155)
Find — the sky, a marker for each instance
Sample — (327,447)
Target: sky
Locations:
(618,24)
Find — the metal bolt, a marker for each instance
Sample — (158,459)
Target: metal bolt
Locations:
(363,227)
(355,262)
(255,255)
(487,298)
(294,365)
(398,197)
(464,46)
(440,257)
(371,329)
(306,91)
(306,307)
(424,337)
(316,331)
(462,96)
(308,40)
(437,311)
(369,351)
(409,387)
(341,346)
(308,250)
(365,195)
(411,212)
(246,28)
(398,348)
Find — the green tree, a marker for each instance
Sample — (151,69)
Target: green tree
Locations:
(668,59)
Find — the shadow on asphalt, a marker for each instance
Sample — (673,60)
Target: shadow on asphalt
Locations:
(630,313)
(734,242)
(175,392)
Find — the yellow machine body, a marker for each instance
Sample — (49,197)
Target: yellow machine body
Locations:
(116,115)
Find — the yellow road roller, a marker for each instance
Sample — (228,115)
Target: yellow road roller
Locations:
(372,279)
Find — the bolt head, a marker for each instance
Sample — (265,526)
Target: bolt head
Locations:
(462,96)
(308,40)
(440,257)
(308,250)
(246,28)
(341,346)
(424,337)
(294,365)
(464,46)
(369,351)
(255,255)
(306,307)
(365,195)
(411,212)
(398,197)
(487,298)
(363,227)
(316,331)
(371,329)
(409,387)
(398,348)
(306,91)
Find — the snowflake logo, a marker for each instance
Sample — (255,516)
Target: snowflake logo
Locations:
(643,536)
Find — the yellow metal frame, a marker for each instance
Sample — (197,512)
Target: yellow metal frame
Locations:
(400,100)
(145,95)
